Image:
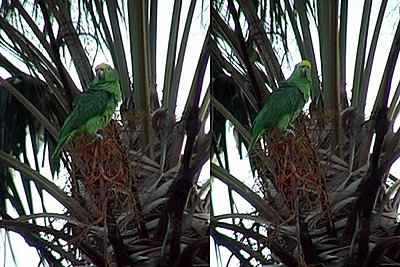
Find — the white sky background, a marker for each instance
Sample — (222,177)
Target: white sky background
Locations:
(241,168)
(27,256)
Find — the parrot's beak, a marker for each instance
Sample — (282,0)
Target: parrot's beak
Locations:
(304,71)
(101,70)
(100,74)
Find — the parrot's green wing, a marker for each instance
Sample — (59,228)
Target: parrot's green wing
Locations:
(281,108)
(92,110)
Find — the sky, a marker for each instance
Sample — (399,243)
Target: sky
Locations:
(24,255)
(240,168)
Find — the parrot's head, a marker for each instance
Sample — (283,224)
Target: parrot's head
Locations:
(301,77)
(106,72)
(304,68)
(107,78)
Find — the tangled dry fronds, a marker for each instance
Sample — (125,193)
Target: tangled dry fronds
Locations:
(291,176)
(102,178)
(125,192)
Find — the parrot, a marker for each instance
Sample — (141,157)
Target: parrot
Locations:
(93,108)
(284,104)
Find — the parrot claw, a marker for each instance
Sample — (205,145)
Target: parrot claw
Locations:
(289,132)
(98,136)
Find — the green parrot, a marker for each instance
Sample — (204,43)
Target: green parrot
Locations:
(284,104)
(93,108)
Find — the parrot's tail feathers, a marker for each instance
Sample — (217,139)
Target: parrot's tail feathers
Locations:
(65,139)
(253,142)
(56,152)
(58,148)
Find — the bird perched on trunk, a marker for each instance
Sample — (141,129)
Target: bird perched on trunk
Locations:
(93,108)
(284,104)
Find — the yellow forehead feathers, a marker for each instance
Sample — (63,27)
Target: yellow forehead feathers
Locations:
(305,63)
(102,66)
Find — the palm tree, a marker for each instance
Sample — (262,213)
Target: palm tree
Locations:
(131,198)
(327,196)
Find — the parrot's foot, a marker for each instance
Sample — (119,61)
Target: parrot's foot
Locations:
(289,132)
(98,136)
